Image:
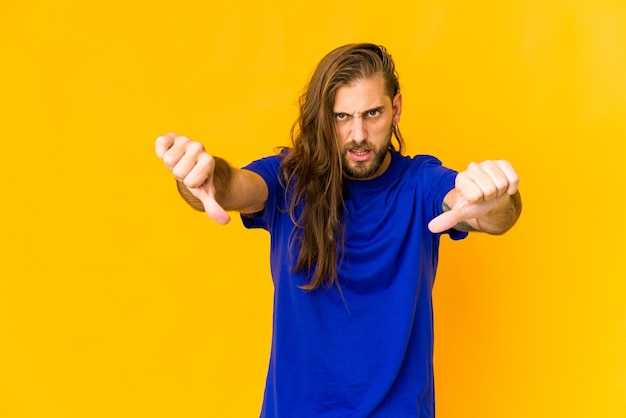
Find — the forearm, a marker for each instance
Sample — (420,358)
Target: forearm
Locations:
(193,201)
(235,190)
(502,217)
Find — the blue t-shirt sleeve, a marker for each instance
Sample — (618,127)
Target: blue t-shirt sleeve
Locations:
(440,180)
(267,168)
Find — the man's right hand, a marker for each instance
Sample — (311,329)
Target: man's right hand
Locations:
(193,167)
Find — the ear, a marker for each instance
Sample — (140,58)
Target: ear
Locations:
(397,108)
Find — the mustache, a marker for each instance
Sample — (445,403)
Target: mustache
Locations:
(363,146)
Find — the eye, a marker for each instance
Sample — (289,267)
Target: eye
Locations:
(371,114)
(341,116)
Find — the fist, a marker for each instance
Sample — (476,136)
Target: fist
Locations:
(186,159)
(194,167)
(478,190)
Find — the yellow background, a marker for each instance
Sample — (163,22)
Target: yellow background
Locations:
(116,300)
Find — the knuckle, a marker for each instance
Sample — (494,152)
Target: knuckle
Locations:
(501,186)
(166,138)
(192,181)
(195,147)
(490,192)
(206,159)
(188,182)
(461,177)
(169,160)
(478,197)
(162,144)
(473,195)
(502,162)
(179,172)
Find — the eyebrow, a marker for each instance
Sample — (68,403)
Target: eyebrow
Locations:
(379,108)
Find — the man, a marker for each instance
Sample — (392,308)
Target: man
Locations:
(355,229)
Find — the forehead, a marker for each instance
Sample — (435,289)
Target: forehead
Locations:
(363,94)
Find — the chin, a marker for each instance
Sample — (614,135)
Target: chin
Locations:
(362,172)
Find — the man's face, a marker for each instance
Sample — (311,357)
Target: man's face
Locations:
(364,115)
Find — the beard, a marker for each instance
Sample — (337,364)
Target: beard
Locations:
(363,170)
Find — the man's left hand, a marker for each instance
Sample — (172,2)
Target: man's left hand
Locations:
(477,191)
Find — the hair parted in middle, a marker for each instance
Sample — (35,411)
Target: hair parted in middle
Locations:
(311,171)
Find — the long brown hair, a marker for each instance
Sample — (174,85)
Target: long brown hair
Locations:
(312,170)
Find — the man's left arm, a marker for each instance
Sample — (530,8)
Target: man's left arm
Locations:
(485,198)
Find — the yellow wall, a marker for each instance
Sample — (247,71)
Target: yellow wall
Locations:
(118,301)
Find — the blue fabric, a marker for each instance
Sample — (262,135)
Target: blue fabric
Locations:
(368,352)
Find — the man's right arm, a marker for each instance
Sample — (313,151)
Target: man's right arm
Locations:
(209,183)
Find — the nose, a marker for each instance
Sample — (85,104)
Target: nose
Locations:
(359,134)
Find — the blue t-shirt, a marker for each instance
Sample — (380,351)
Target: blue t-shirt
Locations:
(365,351)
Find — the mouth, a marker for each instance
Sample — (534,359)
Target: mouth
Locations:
(360,154)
